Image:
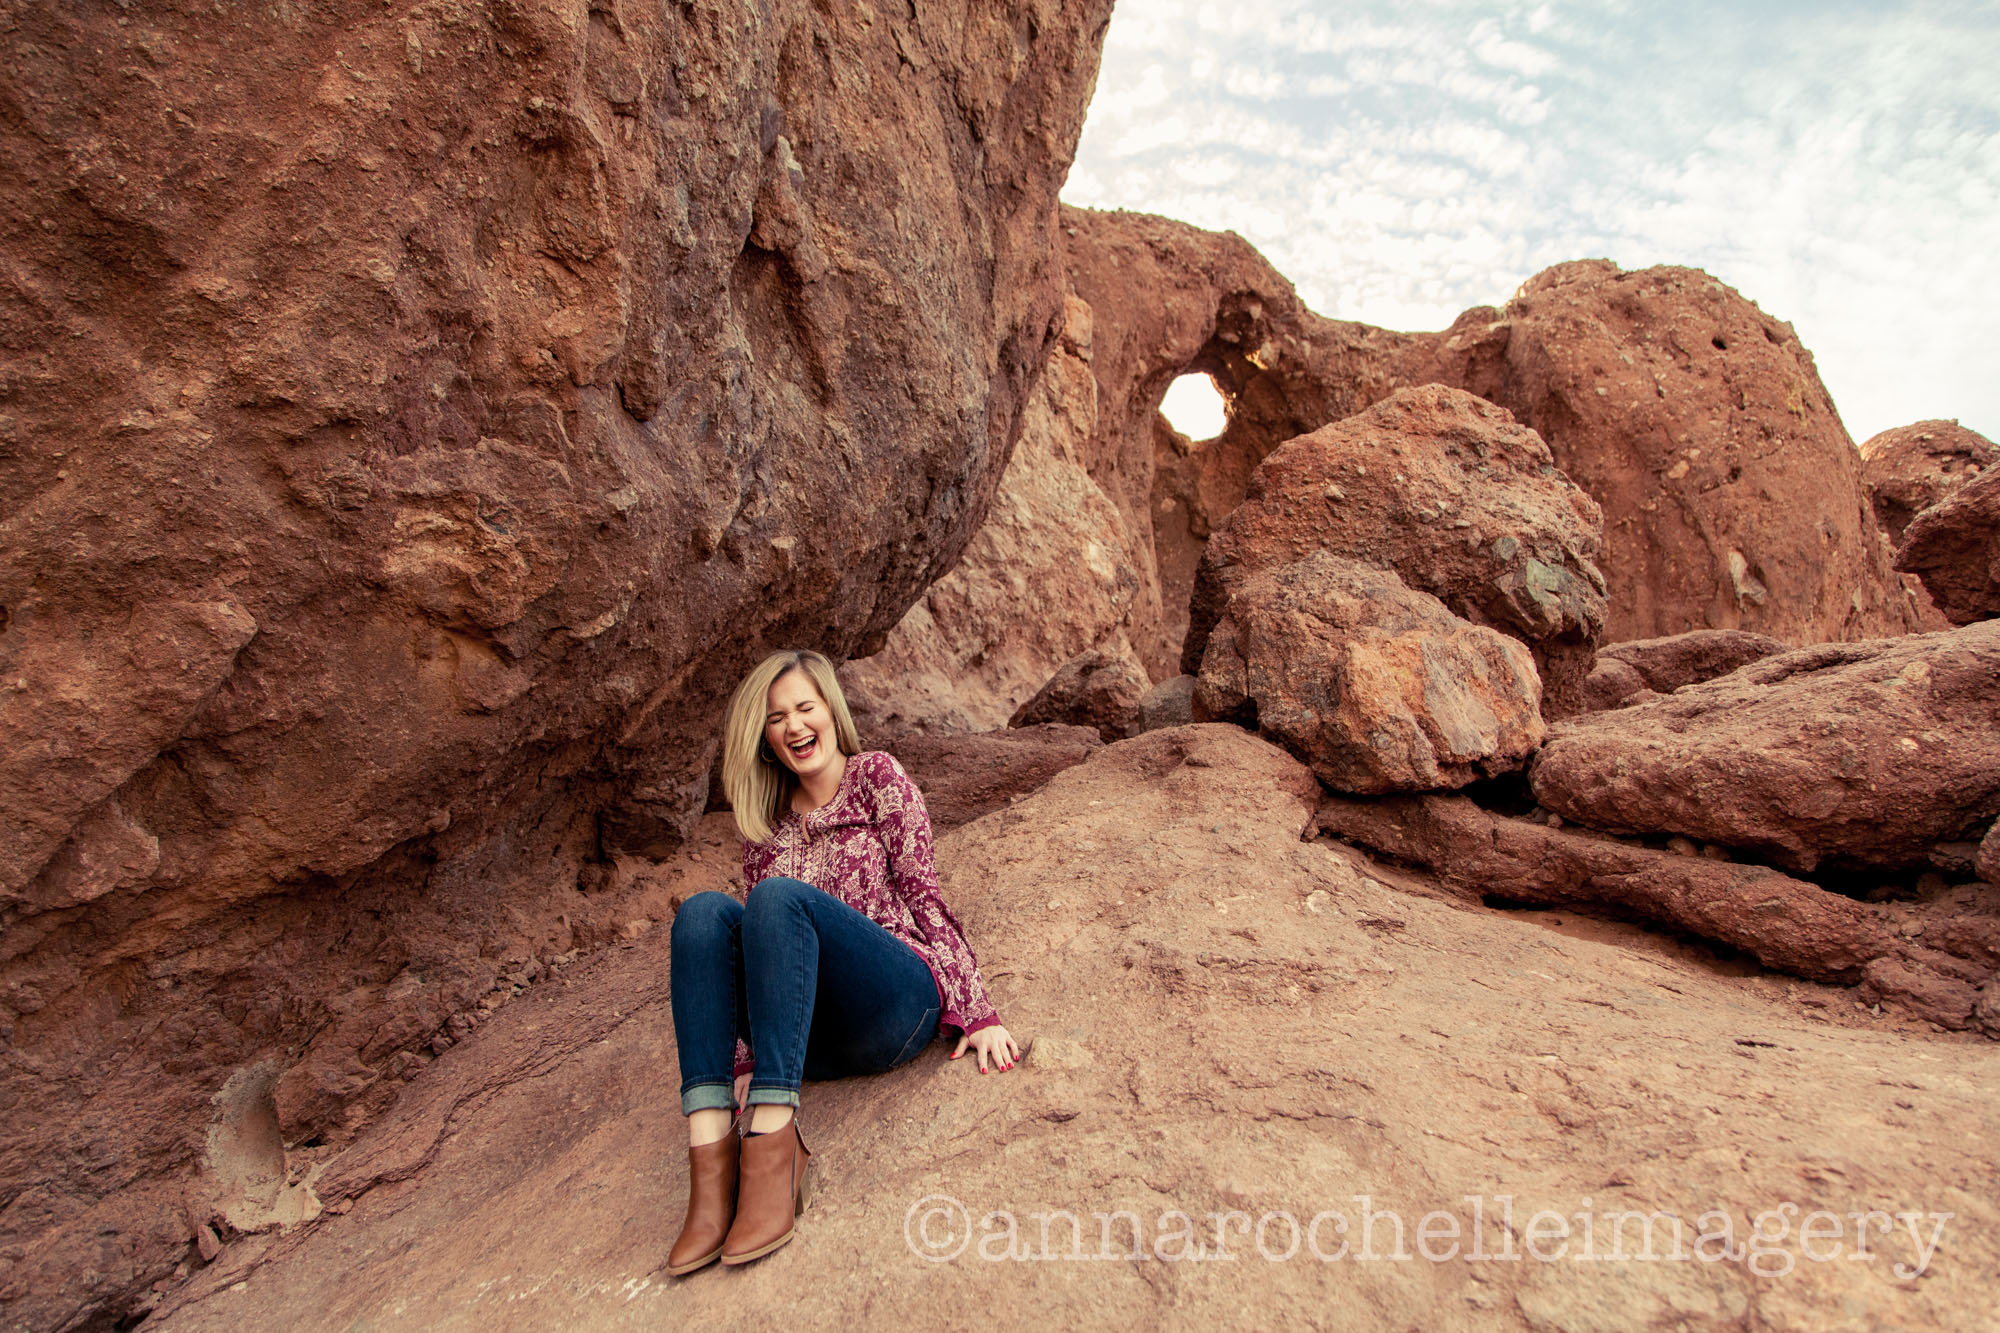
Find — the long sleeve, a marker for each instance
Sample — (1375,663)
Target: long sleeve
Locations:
(905,828)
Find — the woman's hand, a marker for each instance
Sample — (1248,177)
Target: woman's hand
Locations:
(742,1088)
(990,1044)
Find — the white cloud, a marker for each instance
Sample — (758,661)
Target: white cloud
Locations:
(1402,162)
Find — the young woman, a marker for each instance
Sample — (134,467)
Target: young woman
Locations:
(841,959)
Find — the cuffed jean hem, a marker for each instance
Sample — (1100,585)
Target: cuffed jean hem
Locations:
(708,1097)
(771,1096)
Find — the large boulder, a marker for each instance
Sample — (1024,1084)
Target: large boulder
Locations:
(1731,492)
(416,420)
(1374,684)
(1454,496)
(1910,468)
(1102,688)
(1954,547)
(1838,755)
(1732,495)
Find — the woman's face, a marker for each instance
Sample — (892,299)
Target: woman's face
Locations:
(798,726)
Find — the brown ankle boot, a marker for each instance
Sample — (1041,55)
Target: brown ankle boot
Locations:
(712,1172)
(773,1193)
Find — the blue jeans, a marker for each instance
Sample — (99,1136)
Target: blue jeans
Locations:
(822,991)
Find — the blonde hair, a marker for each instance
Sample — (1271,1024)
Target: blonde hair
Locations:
(759,788)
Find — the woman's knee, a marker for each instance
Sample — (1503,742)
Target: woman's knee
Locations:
(777,894)
(705,914)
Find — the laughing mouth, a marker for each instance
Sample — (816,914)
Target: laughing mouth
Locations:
(803,749)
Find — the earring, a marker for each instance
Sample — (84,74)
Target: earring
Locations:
(764,752)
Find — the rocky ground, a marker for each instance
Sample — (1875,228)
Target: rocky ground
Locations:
(1227,1022)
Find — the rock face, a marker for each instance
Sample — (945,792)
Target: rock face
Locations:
(1102,688)
(1421,1054)
(1911,468)
(1988,862)
(415,421)
(1626,672)
(1954,547)
(1052,573)
(1732,494)
(1447,491)
(1845,755)
(1375,685)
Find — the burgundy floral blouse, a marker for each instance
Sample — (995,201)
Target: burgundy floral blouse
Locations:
(870,847)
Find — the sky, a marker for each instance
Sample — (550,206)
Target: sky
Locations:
(1838,163)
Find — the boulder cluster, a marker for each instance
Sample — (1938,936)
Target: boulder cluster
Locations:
(1603,561)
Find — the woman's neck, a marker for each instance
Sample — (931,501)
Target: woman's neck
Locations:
(817,790)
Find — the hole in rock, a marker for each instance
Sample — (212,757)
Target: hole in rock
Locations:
(1720,345)
(1508,794)
(1195,407)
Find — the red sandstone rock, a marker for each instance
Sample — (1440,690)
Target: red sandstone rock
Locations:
(1612,684)
(1450,493)
(1911,468)
(1168,704)
(966,775)
(1844,755)
(1374,684)
(1988,861)
(1102,688)
(1732,494)
(416,419)
(1954,547)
